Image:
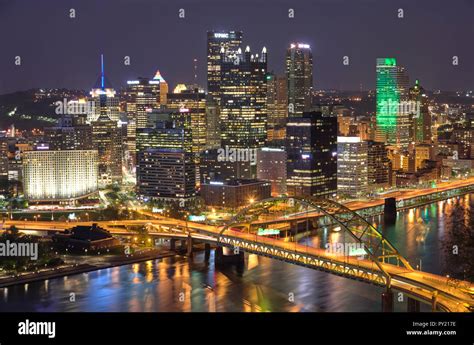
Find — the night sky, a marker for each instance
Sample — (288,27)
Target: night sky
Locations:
(58,51)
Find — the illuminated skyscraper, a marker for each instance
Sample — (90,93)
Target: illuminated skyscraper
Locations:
(311,150)
(107,140)
(378,165)
(192,103)
(213,129)
(421,116)
(160,83)
(216,40)
(104,98)
(393,118)
(299,71)
(352,171)
(277,107)
(243,92)
(165,163)
(141,97)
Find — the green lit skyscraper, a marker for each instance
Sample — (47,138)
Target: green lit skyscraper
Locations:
(393,122)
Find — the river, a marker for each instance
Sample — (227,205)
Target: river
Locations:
(181,284)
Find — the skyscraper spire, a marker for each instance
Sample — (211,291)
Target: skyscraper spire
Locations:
(102,75)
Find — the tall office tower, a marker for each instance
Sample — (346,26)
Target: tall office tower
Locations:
(213,128)
(277,107)
(217,40)
(59,175)
(71,133)
(271,166)
(141,97)
(243,92)
(420,114)
(159,85)
(378,164)
(311,150)
(166,128)
(393,120)
(191,101)
(104,98)
(352,171)
(299,72)
(165,164)
(107,140)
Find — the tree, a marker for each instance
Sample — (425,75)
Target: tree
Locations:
(458,244)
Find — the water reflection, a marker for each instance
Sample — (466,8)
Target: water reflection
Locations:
(178,284)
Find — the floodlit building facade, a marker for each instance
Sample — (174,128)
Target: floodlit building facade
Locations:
(60,175)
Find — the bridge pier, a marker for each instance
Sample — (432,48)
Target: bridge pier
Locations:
(207,251)
(172,244)
(390,211)
(413,306)
(387,301)
(189,246)
(227,256)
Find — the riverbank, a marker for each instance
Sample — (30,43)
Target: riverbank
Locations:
(67,270)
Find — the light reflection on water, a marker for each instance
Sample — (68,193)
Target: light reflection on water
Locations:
(176,284)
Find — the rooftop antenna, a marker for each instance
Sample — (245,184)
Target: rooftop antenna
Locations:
(102,78)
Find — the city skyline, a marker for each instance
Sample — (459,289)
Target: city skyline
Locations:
(157,41)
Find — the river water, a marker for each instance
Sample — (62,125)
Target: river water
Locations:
(182,284)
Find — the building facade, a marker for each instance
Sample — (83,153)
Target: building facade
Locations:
(311,150)
(299,72)
(352,167)
(59,175)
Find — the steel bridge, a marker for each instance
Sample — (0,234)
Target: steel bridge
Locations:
(379,262)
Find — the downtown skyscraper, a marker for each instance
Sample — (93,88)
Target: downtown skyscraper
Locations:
(216,41)
(393,118)
(312,154)
(243,91)
(299,72)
